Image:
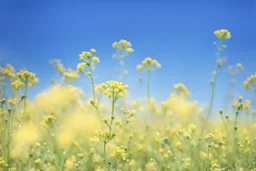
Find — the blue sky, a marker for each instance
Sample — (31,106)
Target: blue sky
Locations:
(179,34)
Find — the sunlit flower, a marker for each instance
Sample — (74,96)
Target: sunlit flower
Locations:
(222,34)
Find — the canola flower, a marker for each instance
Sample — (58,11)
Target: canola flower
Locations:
(61,131)
(234,71)
(250,82)
(89,60)
(221,35)
(58,65)
(149,65)
(123,50)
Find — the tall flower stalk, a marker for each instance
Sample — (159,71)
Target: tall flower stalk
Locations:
(114,90)
(148,64)
(89,60)
(8,107)
(221,35)
(123,49)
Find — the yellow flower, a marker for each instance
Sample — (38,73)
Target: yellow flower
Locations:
(38,161)
(58,65)
(192,128)
(37,145)
(3,163)
(246,85)
(70,75)
(81,66)
(27,77)
(115,89)
(148,63)
(179,146)
(93,51)
(114,45)
(17,84)
(132,163)
(82,55)
(181,89)
(222,34)
(12,101)
(158,65)
(139,67)
(129,50)
(247,104)
(95,59)
(148,59)
(123,42)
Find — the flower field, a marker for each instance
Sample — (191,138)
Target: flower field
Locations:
(64,128)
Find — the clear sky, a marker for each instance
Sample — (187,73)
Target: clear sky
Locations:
(179,34)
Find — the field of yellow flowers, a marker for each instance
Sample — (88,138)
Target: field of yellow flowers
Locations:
(62,129)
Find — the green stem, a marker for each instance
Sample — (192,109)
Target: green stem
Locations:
(211,102)
(224,123)
(148,95)
(93,86)
(112,112)
(235,139)
(208,160)
(105,143)
(9,127)
(111,122)
(191,158)
(148,85)
(218,55)
(25,101)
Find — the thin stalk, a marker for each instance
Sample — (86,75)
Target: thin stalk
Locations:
(218,55)
(148,94)
(9,126)
(208,159)
(211,102)
(235,139)
(25,93)
(111,122)
(148,86)
(191,158)
(93,86)
(224,123)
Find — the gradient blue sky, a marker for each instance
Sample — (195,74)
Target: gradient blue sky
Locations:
(179,34)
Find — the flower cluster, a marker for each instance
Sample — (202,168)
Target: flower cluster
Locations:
(58,65)
(239,105)
(115,89)
(3,163)
(27,77)
(149,64)
(17,84)
(88,58)
(222,34)
(7,72)
(123,45)
(119,152)
(181,89)
(70,75)
(101,87)
(123,49)
(251,82)
(234,71)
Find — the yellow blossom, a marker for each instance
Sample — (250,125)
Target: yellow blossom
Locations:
(222,34)
(95,59)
